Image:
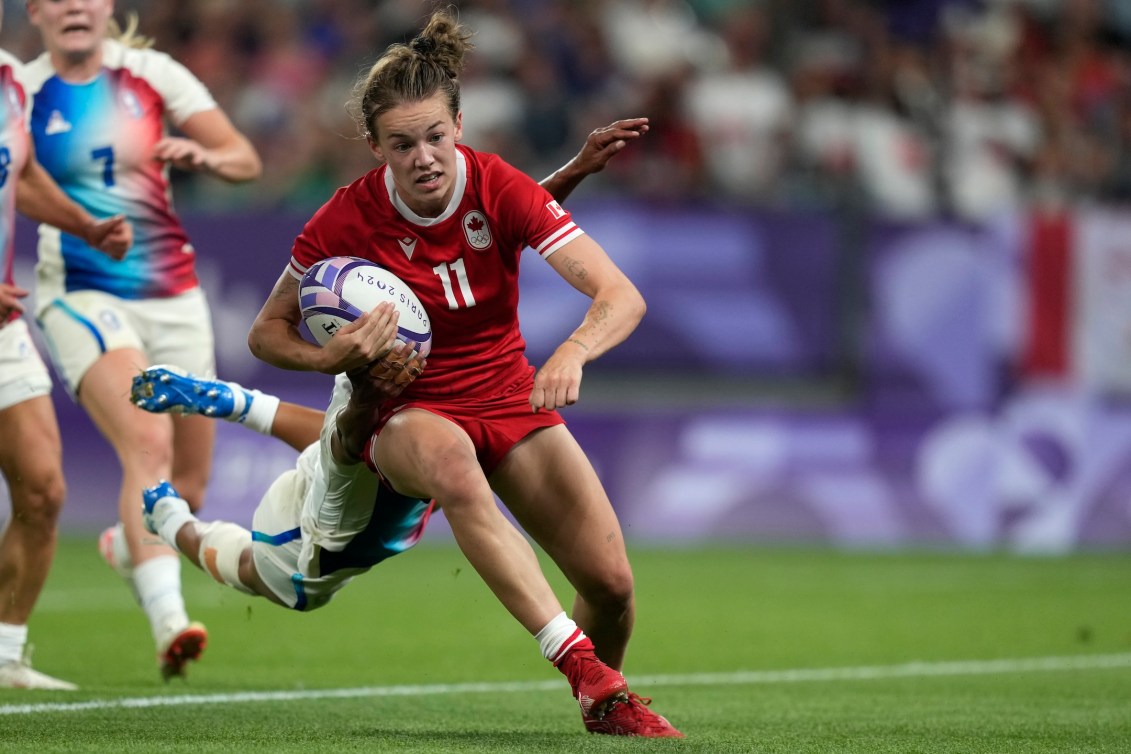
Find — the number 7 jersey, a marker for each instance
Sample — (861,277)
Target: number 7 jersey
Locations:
(96,139)
(463,264)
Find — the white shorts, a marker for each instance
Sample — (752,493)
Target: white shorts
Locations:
(23,375)
(82,325)
(322,523)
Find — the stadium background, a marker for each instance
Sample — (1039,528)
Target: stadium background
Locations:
(884,245)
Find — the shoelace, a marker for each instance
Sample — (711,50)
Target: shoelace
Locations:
(590,666)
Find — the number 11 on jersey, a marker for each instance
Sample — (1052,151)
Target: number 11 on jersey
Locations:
(445,272)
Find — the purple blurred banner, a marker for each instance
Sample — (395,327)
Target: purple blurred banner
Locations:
(731,292)
(939,447)
(1046,474)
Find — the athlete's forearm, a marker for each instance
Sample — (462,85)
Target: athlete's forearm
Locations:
(39,198)
(564,180)
(236,163)
(611,318)
(600,146)
(214,145)
(274,335)
(278,342)
(353,427)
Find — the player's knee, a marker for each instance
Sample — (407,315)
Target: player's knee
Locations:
(37,497)
(221,546)
(148,443)
(612,592)
(441,466)
(460,485)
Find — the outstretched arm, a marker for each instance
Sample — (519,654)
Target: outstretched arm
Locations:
(600,147)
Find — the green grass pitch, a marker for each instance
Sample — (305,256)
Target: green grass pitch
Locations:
(746,650)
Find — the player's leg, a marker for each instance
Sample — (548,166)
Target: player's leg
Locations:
(547,482)
(194,438)
(98,342)
(31,460)
(32,464)
(219,548)
(144,446)
(425,455)
(178,331)
(142,442)
(167,389)
(551,488)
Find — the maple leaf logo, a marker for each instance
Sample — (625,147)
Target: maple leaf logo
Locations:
(476,230)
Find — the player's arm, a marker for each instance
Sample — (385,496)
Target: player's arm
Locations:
(275,336)
(213,145)
(354,424)
(616,310)
(600,146)
(10,296)
(40,198)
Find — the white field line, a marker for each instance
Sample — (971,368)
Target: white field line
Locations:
(746,677)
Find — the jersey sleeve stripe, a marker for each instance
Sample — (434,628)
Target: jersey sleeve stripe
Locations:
(549,246)
(296,269)
(553,237)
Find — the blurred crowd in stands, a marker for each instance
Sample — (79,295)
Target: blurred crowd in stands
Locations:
(907,108)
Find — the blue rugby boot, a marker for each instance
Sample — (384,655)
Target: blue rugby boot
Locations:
(158,503)
(166,389)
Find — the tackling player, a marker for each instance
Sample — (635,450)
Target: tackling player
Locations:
(323,522)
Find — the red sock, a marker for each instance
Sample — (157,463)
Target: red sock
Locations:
(578,641)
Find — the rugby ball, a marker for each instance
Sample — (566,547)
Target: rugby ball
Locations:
(338,290)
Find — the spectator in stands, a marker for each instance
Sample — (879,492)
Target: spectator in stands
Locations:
(742,110)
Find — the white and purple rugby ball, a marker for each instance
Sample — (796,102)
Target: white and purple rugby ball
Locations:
(338,290)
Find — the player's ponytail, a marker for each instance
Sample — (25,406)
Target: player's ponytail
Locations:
(413,72)
(128,36)
(443,43)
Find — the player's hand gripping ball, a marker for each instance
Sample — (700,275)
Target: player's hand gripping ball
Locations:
(397,369)
(338,290)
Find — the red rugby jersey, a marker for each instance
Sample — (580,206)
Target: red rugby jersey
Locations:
(463,265)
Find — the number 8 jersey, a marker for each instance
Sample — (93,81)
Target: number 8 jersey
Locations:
(13,155)
(96,139)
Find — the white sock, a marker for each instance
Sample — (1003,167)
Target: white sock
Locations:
(158,584)
(260,415)
(558,636)
(169,515)
(122,557)
(12,641)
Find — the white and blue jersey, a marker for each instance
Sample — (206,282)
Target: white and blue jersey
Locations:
(322,523)
(13,156)
(96,139)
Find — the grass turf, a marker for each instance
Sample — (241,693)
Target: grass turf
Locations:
(425,618)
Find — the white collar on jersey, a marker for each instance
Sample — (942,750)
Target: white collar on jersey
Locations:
(453,204)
